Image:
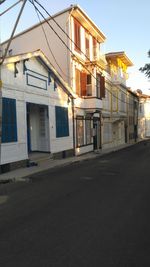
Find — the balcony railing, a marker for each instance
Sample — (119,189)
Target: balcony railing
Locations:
(98,58)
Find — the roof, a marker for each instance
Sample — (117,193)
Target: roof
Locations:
(121,55)
(39,55)
(132,92)
(79,14)
(84,19)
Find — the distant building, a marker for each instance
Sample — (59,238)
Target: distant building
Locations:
(115,104)
(144,116)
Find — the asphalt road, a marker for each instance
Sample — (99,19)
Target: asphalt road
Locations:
(90,214)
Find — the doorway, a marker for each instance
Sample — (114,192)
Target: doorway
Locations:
(97,133)
(38,138)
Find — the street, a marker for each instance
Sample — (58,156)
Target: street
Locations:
(91,213)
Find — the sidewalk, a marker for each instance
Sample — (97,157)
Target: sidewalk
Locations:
(46,164)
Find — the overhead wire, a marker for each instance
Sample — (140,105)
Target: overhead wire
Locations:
(48,44)
(9,8)
(52,17)
(47,21)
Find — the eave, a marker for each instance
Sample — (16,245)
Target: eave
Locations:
(87,23)
(121,55)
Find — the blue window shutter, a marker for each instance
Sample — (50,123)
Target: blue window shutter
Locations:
(9,121)
(62,125)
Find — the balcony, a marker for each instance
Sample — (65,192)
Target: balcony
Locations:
(117,79)
(98,59)
(89,103)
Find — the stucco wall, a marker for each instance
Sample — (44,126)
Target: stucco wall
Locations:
(18,89)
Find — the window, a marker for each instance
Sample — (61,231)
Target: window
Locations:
(88,131)
(100,85)
(77,33)
(89,85)
(84,131)
(94,49)
(87,44)
(9,121)
(80,131)
(107,132)
(122,102)
(107,100)
(114,100)
(62,126)
(83,83)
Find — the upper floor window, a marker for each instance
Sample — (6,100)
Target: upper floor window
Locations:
(122,101)
(87,44)
(83,83)
(100,86)
(77,35)
(94,48)
(114,100)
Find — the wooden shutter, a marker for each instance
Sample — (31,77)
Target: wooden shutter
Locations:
(77,39)
(9,120)
(62,124)
(102,86)
(83,84)
(77,82)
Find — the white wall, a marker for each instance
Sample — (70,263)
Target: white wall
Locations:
(34,39)
(18,89)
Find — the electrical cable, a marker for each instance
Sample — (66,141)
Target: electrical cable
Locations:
(48,44)
(47,21)
(5,11)
(67,34)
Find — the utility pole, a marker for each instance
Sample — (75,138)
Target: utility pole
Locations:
(4,56)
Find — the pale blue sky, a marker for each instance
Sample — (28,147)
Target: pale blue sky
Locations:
(125,24)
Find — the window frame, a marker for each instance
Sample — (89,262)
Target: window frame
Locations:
(62,121)
(9,120)
(77,36)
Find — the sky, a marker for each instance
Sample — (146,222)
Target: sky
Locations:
(124,23)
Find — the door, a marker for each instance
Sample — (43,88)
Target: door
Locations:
(97,134)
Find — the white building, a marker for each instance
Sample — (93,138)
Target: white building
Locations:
(36,109)
(144,116)
(80,63)
(116,102)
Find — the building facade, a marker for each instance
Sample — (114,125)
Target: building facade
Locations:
(115,130)
(37,112)
(143,116)
(99,110)
(79,62)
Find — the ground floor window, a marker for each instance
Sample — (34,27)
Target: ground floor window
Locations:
(62,124)
(84,131)
(107,132)
(9,120)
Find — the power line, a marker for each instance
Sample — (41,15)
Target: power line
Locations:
(66,34)
(47,21)
(14,29)
(5,11)
(48,44)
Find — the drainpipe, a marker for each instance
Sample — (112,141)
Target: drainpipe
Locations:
(100,115)
(73,125)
